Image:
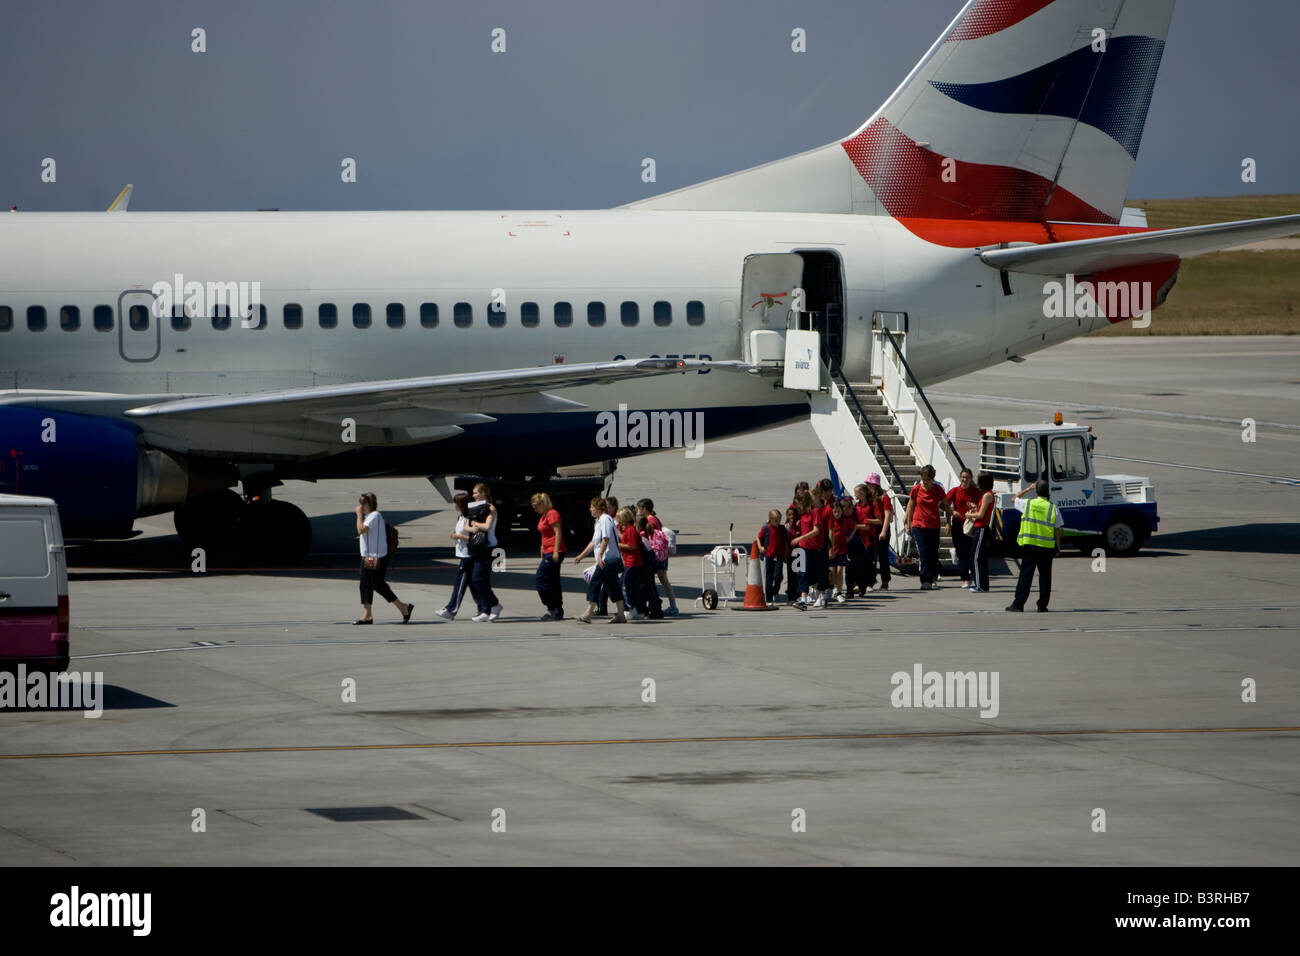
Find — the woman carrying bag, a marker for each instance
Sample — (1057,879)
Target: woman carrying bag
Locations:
(372,533)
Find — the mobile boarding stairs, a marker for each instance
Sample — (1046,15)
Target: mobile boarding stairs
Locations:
(885,425)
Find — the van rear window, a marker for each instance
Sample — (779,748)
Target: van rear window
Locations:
(24,554)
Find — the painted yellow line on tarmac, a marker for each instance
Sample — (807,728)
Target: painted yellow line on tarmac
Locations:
(473,744)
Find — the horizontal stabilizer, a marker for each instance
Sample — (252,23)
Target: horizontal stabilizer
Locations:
(1086,256)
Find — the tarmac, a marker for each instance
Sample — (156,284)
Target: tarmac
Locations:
(1121,735)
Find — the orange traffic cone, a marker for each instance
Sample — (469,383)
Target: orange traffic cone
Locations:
(755,600)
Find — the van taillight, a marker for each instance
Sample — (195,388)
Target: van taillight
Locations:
(64,615)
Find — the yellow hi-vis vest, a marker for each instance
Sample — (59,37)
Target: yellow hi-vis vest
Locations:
(1038,524)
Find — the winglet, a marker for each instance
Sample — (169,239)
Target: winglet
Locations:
(122,201)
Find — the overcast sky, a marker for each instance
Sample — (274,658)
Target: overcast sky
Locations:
(562,119)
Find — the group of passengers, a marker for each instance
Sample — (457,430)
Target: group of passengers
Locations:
(630,549)
(828,548)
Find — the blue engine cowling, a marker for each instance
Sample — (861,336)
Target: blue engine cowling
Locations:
(90,467)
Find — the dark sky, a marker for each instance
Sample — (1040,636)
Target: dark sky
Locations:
(562,119)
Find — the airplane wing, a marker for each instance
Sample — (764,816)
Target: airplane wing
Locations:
(1086,256)
(309,420)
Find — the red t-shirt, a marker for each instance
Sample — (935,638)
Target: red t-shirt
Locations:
(844,527)
(963,500)
(865,513)
(883,510)
(989,517)
(653,523)
(807,523)
(633,558)
(547,527)
(926,512)
(825,519)
(773,540)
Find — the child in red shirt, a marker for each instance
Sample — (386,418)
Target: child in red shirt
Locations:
(791,532)
(773,541)
(633,554)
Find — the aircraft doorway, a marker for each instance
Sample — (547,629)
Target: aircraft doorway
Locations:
(768,294)
(139,333)
(823,286)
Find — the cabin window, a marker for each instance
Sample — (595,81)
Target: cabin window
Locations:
(180,321)
(529,315)
(563,314)
(496,314)
(327,314)
(663,313)
(220,317)
(695,312)
(462,315)
(69,318)
(429,315)
(293,316)
(137,317)
(36,318)
(6,318)
(103,318)
(396,315)
(595,314)
(629,314)
(361,315)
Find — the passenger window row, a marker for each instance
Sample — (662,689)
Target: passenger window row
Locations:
(327,315)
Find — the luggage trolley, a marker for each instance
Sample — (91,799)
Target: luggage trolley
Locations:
(719,567)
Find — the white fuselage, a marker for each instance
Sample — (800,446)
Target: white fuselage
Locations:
(959,319)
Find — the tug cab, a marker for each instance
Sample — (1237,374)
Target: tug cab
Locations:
(1115,512)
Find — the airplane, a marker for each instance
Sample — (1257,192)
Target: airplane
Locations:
(402,343)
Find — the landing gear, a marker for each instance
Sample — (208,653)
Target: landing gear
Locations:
(268,532)
(208,521)
(274,532)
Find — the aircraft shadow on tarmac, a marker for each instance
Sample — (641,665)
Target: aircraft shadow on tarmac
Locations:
(1237,538)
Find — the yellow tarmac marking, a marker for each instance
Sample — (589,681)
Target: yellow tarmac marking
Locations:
(469,745)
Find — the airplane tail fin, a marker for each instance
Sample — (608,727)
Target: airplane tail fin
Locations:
(1021,111)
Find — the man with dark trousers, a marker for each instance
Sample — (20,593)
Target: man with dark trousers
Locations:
(1040,542)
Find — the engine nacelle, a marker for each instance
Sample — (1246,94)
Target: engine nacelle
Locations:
(96,470)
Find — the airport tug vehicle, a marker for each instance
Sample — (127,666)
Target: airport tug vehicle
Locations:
(1114,512)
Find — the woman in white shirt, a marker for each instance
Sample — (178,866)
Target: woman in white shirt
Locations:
(480,573)
(461,537)
(372,533)
(608,567)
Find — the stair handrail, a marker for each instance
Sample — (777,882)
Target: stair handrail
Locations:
(935,422)
(862,416)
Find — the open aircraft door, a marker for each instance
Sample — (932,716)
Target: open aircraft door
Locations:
(768,289)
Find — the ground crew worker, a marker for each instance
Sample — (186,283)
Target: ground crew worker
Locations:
(1040,542)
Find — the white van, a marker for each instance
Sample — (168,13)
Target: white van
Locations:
(33,584)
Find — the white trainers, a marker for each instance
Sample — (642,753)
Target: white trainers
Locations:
(480,618)
(821,601)
(839,597)
(496,612)
(446,615)
(633,615)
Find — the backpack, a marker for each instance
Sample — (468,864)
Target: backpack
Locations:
(659,545)
(671,535)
